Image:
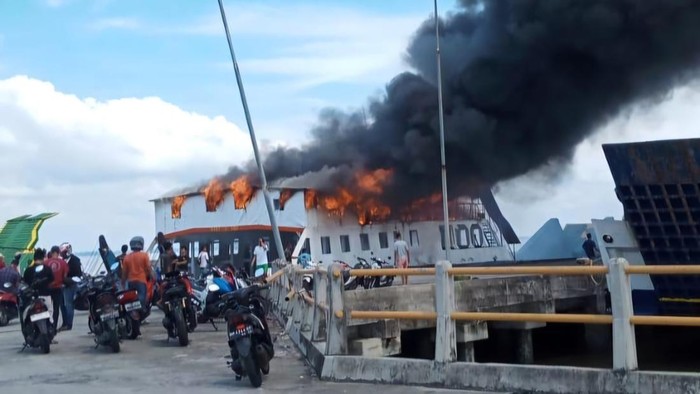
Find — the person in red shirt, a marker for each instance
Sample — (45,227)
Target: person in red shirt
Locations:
(59,267)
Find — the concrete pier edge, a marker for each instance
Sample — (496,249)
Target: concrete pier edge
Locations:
(488,376)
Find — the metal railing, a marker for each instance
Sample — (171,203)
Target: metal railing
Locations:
(323,311)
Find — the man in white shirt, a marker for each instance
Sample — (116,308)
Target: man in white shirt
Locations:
(203,259)
(260,259)
(402,256)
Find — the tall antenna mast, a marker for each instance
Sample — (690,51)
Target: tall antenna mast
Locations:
(446,234)
(261,171)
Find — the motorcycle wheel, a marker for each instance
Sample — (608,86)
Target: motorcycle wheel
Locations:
(132,328)
(4,317)
(252,370)
(181,327)
(191,319)
(44,343)
(114,343)
(91,325)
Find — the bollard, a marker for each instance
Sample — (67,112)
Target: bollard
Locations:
(445,329)
(336,331)
(319,315)
(624,343)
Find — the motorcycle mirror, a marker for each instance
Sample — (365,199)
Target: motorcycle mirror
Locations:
(114,267)
(7,285)
(38,268)
(75,279)
(213,288)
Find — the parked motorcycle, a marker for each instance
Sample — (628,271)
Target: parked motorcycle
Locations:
(104,312)
(377,281)
(180,315)
(8,305)
(248,334)
(209,303)
(35,321)
(307,281)
(131,312)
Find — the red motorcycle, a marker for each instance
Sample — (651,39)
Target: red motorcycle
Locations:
(8,305)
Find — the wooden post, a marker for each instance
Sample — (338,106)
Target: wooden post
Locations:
(298,301)
(319,314)
(336,332)
(445,329)
(308,315)
(624,343)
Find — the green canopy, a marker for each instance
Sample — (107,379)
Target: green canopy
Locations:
(21,235)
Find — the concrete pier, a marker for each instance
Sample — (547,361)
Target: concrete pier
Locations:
(444,348)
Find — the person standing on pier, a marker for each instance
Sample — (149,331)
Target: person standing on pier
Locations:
(75,269)
(402,256)
(260,261)
(590,247)
(203,259)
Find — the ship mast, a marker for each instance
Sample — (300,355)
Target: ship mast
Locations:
(261,171)
(446,218)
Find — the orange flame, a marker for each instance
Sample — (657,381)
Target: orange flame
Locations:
(285,195)
(363,200)
(213,194)
(310,199)
(176,206)
(242,191)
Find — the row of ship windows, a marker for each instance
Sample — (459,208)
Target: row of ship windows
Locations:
(364,242)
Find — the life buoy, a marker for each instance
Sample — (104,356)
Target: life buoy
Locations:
(480,241)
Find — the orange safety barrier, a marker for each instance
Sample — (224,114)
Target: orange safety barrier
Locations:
(663,269)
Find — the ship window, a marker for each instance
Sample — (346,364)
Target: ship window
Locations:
(216,248)
(383,240)
(236,246)
(326,245)
(414,237)
(278,206)
(364,241)
(307,246)
(344,243)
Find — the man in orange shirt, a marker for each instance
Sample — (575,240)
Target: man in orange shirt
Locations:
(136,269)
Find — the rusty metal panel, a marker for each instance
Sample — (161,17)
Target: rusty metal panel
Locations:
(658,184)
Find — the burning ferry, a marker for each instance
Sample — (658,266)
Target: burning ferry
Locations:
(229,218)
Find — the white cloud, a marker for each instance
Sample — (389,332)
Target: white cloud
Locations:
(587,190)
(122,23)
(56,3)
(312,44)
(99,162)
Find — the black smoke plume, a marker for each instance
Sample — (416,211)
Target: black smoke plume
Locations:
(524,82)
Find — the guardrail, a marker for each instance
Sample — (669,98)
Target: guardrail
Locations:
(322,310)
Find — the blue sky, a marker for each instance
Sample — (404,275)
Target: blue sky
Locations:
(106,104)
(176,50)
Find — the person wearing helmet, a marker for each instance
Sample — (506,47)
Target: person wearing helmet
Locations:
(136,269)
(75,269)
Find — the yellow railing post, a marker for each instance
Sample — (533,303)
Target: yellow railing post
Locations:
(624,343)
(445,328)
(336,331)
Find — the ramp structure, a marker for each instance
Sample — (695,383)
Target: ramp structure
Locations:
(21,235)
(658,184)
